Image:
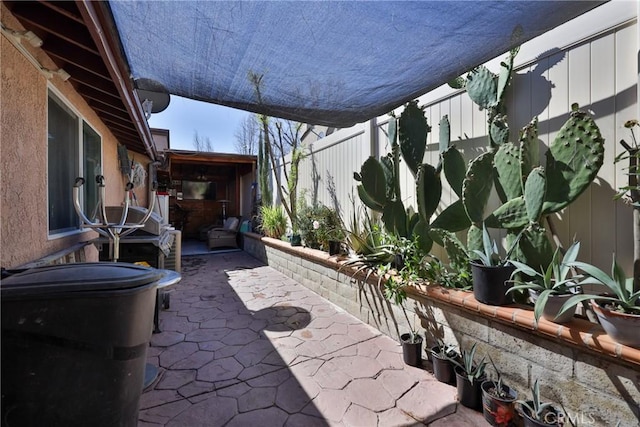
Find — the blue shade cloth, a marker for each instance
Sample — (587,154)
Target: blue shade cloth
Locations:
(320,62)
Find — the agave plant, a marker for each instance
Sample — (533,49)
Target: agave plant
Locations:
(490,256)
(622,296)
(554,280)
(474,371)
(535,407)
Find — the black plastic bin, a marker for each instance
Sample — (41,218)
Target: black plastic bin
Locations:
(74,344)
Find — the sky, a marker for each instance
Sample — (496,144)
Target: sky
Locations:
(184,117)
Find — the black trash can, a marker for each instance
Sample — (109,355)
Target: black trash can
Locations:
(74,344)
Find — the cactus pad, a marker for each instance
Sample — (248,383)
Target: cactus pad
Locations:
(413,135)
(428,191)
(512,214)
(477,186)
(374,181)
(529,148)
(445,133)
(455,169)
(534,193)
(499,130)
(482,87)
(454,218)
(573,160)
(507,164)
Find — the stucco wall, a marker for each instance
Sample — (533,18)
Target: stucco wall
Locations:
(23,157)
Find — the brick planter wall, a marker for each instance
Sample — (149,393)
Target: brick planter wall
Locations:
(596,380)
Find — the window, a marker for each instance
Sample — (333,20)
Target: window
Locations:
(74,149)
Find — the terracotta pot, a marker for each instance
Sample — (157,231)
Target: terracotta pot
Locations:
(490,283)
(498,411)
(623,328)
(411,350)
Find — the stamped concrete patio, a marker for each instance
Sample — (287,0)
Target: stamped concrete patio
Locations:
(243,345)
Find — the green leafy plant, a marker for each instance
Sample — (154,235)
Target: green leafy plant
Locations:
(622,295)
(318,224)
(490,256)
(438,273)
(554,280)
(536,408)
(474,371)
(273,221)
(499,387)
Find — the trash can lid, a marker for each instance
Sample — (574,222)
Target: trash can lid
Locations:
(78,277)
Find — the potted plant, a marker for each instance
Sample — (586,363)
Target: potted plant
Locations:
(273,221)
(335,240)
(618,311)
(537,413)
(498,401)
(441,355)
(549,289)
(491,273)
(469,377)
(411,342)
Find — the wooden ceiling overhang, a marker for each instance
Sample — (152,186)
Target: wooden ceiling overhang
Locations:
(80,37)
(243,163)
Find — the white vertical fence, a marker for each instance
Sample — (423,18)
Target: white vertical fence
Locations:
(591,60)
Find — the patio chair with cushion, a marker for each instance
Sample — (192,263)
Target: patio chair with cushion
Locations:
(225,236)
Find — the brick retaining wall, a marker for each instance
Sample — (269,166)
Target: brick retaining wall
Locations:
(595,383)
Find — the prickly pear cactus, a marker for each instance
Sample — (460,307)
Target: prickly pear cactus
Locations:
(413,135)
(477,185)
(507,165)
(573,160)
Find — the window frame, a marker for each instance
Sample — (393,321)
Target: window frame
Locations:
(79,161)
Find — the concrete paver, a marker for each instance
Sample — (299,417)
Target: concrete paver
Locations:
(243,345)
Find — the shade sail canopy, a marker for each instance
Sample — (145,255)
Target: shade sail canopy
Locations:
(320,62)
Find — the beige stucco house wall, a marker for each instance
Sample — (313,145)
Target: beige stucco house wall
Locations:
(23,157)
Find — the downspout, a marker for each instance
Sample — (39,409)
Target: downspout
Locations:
(102,30)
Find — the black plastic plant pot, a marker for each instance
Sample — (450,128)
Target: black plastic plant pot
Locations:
(469,394)
(498,411)
(411,349)
(296,240)
(442,367)
(334,247)
(550,418)
(490,283)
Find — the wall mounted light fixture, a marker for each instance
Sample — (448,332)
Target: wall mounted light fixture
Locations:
(29,36)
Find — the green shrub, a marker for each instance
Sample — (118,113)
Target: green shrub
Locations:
(318,224)
(274,221)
